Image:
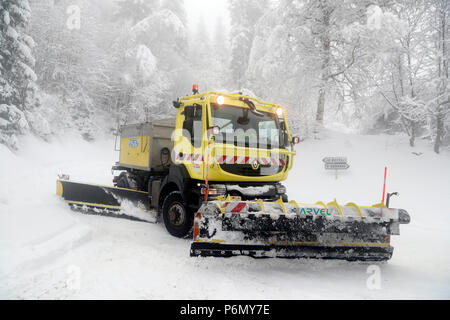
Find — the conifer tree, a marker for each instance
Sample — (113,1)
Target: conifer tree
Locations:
(17,78)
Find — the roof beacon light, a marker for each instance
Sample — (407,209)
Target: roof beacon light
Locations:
(195,88)
(220,100)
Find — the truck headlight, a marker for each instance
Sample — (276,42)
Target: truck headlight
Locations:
(279,112)
(215,190)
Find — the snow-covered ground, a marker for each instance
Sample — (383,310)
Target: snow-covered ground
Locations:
(50,252)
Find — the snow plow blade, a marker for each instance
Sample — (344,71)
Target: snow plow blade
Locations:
(104,200)
(228,227)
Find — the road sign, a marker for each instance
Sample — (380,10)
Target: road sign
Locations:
(336,166)
(335,160)
(336,163)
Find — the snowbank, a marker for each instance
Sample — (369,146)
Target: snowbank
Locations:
(35,224)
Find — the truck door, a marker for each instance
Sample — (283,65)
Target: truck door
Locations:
(189,145)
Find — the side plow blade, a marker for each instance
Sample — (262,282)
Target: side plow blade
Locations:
(103,200)
(290,230)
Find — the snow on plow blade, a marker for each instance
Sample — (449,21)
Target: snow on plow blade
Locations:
(290,230)
(104,200)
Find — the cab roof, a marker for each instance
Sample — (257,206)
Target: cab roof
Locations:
(234,97)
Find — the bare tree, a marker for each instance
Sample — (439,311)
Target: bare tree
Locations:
(442,101)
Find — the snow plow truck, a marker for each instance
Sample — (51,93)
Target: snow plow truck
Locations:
(214,173)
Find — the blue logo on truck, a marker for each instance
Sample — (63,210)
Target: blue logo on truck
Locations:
(315,211)
(133,142)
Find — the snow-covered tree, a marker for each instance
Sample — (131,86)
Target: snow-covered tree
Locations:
(277,69)
(220,41)
(373,65)
(151,64)
(201,54)
(397,63)
(165,34)
(302,51)
(177,7)
(135,10)
(208,55)
(439,106)
(73,64)
(200,43)
(220,53)
(332,46)
(244,16)
(17,78)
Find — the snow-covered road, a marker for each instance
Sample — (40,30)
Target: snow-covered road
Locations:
(49,252)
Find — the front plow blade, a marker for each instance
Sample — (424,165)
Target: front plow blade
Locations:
(104,200)
(262,229)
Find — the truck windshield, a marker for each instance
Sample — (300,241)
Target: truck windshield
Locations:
(241,127)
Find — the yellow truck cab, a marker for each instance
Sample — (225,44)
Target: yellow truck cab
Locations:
(218,145)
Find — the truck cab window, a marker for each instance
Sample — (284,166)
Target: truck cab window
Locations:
(192,125)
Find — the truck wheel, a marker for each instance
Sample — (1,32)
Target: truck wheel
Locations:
(176,215)
(124,180)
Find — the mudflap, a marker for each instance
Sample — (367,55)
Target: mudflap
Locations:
(291,230)
(107,201)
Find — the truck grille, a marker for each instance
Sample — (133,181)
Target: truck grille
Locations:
(247,170)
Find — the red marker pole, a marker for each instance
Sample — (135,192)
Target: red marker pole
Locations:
(384,184)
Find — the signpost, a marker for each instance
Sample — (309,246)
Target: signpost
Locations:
(336,163)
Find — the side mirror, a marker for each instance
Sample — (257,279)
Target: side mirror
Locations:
(296,140)
(177,104)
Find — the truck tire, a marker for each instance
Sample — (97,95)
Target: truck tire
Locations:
(125,180)
(176,215)
(122,181)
